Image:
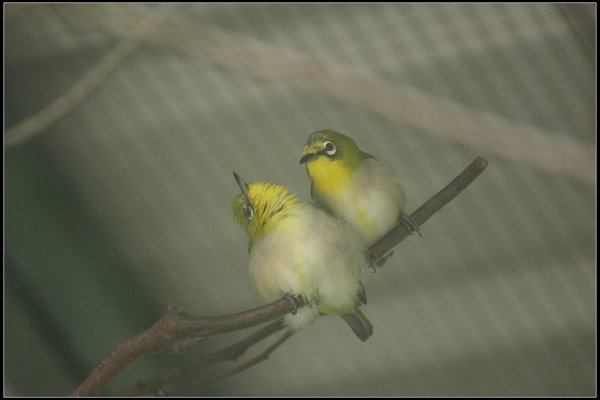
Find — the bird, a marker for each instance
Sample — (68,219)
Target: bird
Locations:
(354,185)
(296,249)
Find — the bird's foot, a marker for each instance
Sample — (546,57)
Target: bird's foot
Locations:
(409,223)
(291,298)
(371,260)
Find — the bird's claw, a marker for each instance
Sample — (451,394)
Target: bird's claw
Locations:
(291,299)
(371,260)
(410,223)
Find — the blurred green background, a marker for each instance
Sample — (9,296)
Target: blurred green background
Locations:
(122,205)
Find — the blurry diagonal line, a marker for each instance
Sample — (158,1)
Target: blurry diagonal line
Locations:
(64,104)
(516,141)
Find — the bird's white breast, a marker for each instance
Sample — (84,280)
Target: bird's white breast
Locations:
(372,202)
(312,254)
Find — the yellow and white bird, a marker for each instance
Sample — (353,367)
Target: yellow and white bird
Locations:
(297,249)
(354,185)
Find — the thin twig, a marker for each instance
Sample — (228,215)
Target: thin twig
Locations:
(60,107)
(177,331)
(204,383)
(232,352)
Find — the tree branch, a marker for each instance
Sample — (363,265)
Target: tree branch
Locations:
(176,331)
(430,207)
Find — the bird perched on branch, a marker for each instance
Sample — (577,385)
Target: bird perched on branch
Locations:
(298,250)
(354,185)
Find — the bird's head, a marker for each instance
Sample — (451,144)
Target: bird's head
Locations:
(260,207)
(331,159)
(332,146)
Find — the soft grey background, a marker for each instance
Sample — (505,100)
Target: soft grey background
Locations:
(123,205)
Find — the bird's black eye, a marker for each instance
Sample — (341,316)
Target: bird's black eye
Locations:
(329,148)
(248,211)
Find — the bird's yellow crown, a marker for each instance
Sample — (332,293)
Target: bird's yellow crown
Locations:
(261,207)
(331,159)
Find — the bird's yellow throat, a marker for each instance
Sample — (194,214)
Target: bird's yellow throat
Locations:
(330,177)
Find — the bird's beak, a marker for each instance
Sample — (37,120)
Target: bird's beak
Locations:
(307,157)
(243,186)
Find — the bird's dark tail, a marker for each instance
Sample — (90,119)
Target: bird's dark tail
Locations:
(359,324)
